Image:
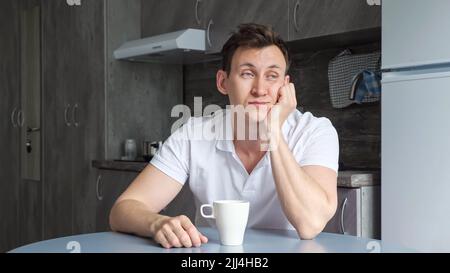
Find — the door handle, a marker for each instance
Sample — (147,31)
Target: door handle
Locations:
(197,19)
(66,120)
(20,118)
(74,115)
(32,130)
(344,205)
(97,188)
(13,113)
(208,33)
(296,7)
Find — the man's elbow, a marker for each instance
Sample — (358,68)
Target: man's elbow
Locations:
(113,225)
(308,232)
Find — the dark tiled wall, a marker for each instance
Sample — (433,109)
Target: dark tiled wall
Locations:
(358,126)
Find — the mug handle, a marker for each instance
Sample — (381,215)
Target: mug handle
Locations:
(207,206)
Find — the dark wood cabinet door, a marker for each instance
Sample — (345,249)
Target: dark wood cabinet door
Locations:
(9,132)
(110,185)
(59,44)
(346,219)
(310,19)
(87,113)
(171,15)
(225,16)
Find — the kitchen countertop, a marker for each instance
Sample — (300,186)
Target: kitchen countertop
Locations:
(255,241)
(350,179)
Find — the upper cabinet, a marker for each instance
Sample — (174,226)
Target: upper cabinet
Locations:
(224,16)
(309,19)
(171,15)
(292,19)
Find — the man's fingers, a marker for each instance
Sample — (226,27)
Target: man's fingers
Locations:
(161,239)
(191,230)
(183,236)
(171,237)
(203,238)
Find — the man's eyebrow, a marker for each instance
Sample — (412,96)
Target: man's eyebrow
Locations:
(252,65)
(247,64)
(275,66)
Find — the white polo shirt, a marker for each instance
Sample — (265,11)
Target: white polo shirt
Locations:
(215,172)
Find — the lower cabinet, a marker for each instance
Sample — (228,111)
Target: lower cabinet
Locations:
(110,184)
(358,212)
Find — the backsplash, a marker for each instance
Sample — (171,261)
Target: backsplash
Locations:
(358,126)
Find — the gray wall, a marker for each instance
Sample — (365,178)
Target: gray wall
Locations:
(358,126)
(139,96)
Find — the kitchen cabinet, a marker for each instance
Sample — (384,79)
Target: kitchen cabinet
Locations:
(9,129)
(20,183)
(109,186)
(73,122)
(223,17)
(309,19)
(358,212)
(171,15)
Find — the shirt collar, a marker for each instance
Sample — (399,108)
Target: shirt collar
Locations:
(226,143)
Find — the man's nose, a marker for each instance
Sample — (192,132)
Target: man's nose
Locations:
(259,87)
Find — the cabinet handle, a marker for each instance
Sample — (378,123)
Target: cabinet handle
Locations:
(20,118)
(297,5)
(74,115)
(344,205)
(197,3)
(66,110)
(97,188)
(208,34)
(13,113)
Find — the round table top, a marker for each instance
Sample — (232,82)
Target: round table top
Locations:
(255,241)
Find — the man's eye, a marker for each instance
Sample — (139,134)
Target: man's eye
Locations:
(247,75)
(272,77)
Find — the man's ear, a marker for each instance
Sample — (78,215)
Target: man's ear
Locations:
(287,79)
(221,76)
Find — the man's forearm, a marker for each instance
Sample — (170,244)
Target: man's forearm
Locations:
(304,202)
(131,216)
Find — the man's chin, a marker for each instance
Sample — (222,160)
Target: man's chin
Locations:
(257,116)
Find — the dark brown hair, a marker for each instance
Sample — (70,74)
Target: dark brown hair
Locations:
(252,35)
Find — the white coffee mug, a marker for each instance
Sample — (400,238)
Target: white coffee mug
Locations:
(231,219)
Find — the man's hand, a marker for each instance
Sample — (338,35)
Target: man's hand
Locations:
(177,232)
(286,104)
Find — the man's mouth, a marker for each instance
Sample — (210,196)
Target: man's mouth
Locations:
(258,103)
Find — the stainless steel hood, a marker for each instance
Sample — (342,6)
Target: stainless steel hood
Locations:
(184,46)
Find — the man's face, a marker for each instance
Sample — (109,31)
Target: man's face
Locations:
(255,78)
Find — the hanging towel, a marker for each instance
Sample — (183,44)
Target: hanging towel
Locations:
(365,84)
(342,71)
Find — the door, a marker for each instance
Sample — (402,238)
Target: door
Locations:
(415,159)
(9,129)
(171,15)
(225,16)
(347,217)
(412,33)
(58,71)
(109,186)
(87,111)
(310,19)
(30,183)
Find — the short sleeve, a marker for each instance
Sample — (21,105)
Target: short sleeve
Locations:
(173,157)
(321,147)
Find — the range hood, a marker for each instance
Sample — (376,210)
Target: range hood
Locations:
(184,46)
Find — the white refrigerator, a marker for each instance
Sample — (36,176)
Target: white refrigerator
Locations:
(416,124)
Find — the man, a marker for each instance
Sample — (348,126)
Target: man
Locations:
(288,172)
